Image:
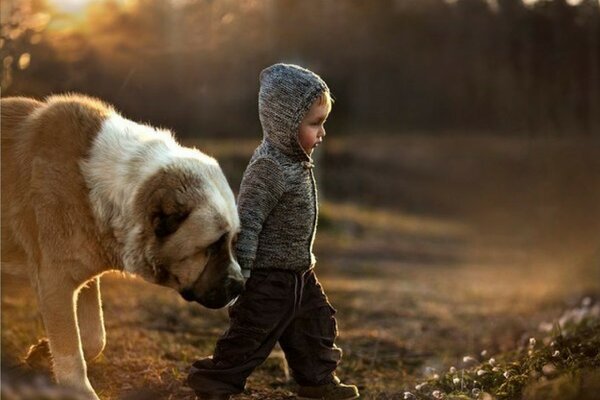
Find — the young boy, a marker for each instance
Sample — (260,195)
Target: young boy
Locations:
(283,300)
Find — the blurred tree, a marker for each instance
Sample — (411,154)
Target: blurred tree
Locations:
(393,65)
(21,24)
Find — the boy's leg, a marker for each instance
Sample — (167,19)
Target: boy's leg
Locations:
(257,320)
(308,341)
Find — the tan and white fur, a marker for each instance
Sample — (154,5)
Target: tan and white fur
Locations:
(84,191)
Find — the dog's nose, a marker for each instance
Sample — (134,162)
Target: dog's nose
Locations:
(235,287)
(188,295)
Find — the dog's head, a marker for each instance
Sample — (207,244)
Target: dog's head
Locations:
(189,231)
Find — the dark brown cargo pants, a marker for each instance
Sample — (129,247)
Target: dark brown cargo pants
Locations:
(277,305)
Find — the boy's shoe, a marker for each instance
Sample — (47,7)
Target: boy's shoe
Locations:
(205,396)
(330,391)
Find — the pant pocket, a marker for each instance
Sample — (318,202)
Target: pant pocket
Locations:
(329,323)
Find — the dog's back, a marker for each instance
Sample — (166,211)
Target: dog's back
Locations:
(42,145)
(14,110)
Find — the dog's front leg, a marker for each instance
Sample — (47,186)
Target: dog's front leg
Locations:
(90,320)
(57,304)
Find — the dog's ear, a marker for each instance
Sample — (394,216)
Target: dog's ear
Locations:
(167,212)
(167,224)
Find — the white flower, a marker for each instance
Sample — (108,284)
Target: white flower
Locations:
(496,369)
(468,359)
(436,376)
(456,381)
(437,394)
(492,362)
(408,395)
(556,353)
(481,372)
(586,302)
(531,342)
(420,386)
(452,370)
(484,353)
(507,374)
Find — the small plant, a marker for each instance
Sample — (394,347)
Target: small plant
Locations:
(572,345)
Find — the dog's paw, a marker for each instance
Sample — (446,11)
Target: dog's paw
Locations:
(39,357)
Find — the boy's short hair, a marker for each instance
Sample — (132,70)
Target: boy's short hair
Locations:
(326,98)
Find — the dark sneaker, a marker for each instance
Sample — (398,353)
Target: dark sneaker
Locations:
(205,396)
(331,391)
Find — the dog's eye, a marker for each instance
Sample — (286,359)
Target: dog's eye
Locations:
(216,246)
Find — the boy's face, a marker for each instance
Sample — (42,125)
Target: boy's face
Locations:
(312,128)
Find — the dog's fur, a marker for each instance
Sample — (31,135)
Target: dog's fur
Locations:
(85,191)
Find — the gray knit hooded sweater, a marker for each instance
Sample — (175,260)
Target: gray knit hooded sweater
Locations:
(277,202)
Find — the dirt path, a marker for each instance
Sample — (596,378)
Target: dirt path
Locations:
(415,291)
(399,322)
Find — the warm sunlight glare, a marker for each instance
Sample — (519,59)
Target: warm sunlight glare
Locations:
(72,6)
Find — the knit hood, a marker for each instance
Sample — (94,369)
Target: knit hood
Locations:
(286,93)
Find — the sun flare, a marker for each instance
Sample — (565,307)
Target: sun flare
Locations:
(72,6)
(78,6)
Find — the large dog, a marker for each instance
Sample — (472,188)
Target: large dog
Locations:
(85,191)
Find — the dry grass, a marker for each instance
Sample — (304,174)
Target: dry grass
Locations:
(396,329)
(416,291)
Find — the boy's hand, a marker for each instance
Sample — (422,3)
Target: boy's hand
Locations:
(246,274)
(246,267)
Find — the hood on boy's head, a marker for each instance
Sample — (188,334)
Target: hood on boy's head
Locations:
(286,93)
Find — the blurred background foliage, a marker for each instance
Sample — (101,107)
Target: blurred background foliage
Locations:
(395,66)
(458,187)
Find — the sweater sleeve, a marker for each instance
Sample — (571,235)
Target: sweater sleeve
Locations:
(262,186)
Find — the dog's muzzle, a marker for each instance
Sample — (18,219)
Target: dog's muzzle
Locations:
(216,298)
